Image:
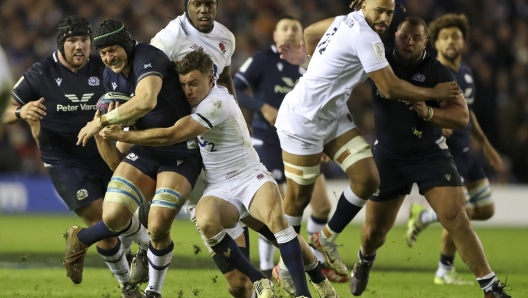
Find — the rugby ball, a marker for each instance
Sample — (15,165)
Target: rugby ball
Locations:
(106,99)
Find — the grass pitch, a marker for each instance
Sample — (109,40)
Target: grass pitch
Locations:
(31,251)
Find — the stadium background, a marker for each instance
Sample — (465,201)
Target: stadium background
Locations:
(497,52)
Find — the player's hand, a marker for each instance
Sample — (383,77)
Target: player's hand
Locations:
(447,132)
(293,54)
(93,127)
(111,133)
(493,157)
(420,108)
(446,91)
(33,110)
(270,113)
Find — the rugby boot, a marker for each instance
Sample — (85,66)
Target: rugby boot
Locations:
(359,277)
(75,254)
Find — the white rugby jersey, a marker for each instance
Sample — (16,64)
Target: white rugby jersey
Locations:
(6,81)
(180,38)
(347,52)
(226,148)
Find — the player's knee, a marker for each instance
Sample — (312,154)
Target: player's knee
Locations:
(483,212)
(374,233)
(158,233)
(452,217)
(353,151)
(209,224)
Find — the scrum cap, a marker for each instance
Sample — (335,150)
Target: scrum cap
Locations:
(74,25)
(113,32)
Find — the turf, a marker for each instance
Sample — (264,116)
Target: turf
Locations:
(31,250)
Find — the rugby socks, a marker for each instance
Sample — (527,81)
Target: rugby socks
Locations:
(428,216)
(366,259)
(95,233)
(445,265)
(223,245)
(116,262)
(246,237)
(266,254)
(127,243)
(290,250)
(315,225)
(314,271)
(295,222)
(159,261)
(348,207)
(487,282)
(137,232)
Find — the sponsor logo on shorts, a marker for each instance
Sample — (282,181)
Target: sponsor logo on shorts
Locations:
(132,157)
(178,162)
(305,145)
(231,175)
(82,194)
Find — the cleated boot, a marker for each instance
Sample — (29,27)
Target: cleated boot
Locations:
(359,277)
(263,288)
(139,269)
(332,275)
(284,279)
(324,289)
(75,253)
(415,224)
(497,291)
(129,290)
(329,250)
(452,278)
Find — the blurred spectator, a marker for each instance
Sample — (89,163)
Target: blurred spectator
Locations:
(497,53)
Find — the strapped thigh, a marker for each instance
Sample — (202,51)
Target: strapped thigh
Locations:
(124,192)
(354,150)
(168,198)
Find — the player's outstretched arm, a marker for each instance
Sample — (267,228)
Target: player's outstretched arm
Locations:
(491,154)
(394,88)
(184,129)
(451,114)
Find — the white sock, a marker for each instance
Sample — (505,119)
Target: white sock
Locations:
(428,216)
(126,242)
(443,269)
(330,239)
(314,227)
(137,232)
(117,263)
(294,220)
(161,259)
(266,253)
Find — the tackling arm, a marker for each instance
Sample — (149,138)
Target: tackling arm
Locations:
(184,129)
(451,114)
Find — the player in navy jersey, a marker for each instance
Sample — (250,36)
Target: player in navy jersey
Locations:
(57,96)
(167,174)
(270,78)
(448,33)
(410,148)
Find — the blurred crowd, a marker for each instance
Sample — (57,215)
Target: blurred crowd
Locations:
(497,52)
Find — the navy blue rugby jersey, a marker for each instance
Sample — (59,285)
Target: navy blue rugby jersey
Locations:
(460,140)
(270,79)
(70,99)
(398,129)
(171,104)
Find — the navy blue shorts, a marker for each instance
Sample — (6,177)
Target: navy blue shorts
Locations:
(469,166)
(270,154)
(398,174)
(79,186)
(186,162)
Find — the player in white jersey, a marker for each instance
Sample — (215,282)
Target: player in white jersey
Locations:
(6,82)
(197,28)
(238,185)
(314,117)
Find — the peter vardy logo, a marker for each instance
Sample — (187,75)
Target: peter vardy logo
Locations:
(85,97)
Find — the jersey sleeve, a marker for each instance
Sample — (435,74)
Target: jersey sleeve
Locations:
(28,86)
(233,42)
(150,62)
(370,51)
(167,40)
(443,74)
(6,80)
(211,112)
(251,71)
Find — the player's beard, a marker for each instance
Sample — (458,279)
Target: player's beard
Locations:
(76,63)
(451,57)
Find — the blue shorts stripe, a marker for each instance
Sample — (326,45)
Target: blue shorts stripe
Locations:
(136,190)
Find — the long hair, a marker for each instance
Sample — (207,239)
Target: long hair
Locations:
(449,20)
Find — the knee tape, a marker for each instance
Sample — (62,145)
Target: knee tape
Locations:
(354,150)
(124,192)
(167,198)
(216,239)
(481,195)
(301,175)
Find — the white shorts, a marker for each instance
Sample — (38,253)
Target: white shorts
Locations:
(301,136)
(240,189)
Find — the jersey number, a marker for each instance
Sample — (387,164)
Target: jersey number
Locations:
(204,143)
(324,43)
(215,70)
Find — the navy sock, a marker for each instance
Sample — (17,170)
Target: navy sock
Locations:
(109,252)
(228,248)
(316,275)
(367,259)
(344,213)
(447,260)
(95,233)
(246,235)
(292,257)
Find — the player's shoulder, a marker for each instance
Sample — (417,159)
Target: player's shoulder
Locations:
(45,65)
(176,24)
(146,51)
(221,31)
